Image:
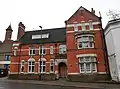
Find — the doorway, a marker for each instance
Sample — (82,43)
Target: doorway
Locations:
(62,67)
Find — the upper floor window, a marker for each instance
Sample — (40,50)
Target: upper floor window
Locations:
(31,65)
(32,51)
(85,41)
(75,27)
(42,50)
(83,26)
(90,25)
(15,51)
(51,50)
(7,57)
(22,66)
(87,64)
(62,49)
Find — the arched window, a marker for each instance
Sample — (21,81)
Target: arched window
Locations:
(22,66)
(42,65)
(31,65)
(51,65)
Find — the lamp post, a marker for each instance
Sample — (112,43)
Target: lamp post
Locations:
(40,51)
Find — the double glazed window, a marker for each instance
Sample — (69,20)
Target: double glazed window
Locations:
(85,41)
(42,50)
(62,49)
(87,64)
(32,51)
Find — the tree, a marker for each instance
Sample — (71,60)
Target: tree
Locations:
(113,14)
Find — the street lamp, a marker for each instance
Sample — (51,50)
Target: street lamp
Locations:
(40,51)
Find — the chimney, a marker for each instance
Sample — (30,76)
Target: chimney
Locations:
(8,34)
(21,30)
(92,11)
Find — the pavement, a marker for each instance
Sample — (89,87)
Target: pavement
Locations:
(65,83)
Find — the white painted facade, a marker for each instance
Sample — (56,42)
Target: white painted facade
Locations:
(112,37)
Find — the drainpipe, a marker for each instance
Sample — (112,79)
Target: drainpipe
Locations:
(19,62)
(104,49)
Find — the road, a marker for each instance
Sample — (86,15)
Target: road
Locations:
(13,85)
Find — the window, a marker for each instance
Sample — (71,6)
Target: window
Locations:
(15,51)
(7,57)
(87,64)
(85,41)
(42,65)
(32,51)
(75,27)
(51,65)
(51,50)
(62,49)
(42,50)
(22,66)
(83,26)
(90,25)
(31,65)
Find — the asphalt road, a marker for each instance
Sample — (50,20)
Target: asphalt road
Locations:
(13,85)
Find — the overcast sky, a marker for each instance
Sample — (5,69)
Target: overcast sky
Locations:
(47,13)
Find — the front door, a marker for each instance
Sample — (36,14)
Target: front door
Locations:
(62,70)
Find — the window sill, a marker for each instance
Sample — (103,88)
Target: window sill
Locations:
(87,48)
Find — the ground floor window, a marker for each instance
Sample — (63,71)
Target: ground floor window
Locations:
(42,65)
(87,64)
(31,66)
(22,66)
(51,65)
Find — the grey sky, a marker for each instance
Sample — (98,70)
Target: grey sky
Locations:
(47,13)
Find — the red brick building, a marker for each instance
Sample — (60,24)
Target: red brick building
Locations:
(75,52)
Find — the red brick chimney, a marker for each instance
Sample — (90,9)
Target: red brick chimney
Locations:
(8,34)
(21,30)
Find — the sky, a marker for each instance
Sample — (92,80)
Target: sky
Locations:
(47,13)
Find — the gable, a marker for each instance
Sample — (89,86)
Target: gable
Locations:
(82,14)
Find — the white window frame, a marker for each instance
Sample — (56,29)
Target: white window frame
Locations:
(22,66)
(52,65)
(31,65)
(83,26)
(62,49)
(75,27)
(32,49)
(90,61)
(42,65)
(85,39)
(43,49)
(51,50)
(91,25)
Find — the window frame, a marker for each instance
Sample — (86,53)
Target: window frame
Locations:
(43,49)
(41,65)
(31,65)
(32,50)
(52,64)
(81,40)
(62,49)
(51,49)
(84,62)
(22,64)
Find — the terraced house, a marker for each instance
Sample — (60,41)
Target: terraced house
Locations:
(75,52)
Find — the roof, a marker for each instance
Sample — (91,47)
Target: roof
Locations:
(5,48)
(111,22)
(55,35)
(83,13)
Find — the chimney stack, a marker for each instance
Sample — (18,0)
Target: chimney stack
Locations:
(92,10)
(21,30)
